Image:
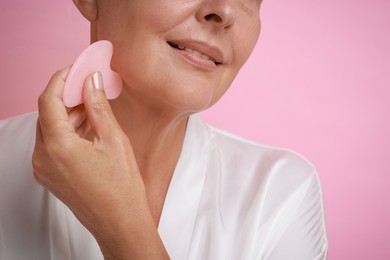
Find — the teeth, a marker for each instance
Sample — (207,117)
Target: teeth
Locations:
(196,53)
(203,56)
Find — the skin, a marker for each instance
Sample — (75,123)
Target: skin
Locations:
(114,176)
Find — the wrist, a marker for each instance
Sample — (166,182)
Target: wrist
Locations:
(140,241)
(132,236)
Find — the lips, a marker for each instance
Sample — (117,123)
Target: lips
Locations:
(200,49)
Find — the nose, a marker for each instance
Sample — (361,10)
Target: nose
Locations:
(219,13)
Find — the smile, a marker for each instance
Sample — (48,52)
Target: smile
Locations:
(176,46)
(200,50)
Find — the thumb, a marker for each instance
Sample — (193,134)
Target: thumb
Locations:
(98,109)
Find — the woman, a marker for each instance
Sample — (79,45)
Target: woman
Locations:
(145,177)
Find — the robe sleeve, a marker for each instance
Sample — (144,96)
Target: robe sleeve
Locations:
(305,235)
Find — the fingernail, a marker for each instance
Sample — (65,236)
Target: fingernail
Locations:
(97,80)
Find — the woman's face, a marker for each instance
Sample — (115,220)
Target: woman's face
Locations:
(181,54)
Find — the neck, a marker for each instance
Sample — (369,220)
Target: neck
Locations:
(157,137)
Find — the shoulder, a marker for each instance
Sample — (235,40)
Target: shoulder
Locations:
(20,196)
(21,124)
(19,118)
(271,187)
(259,158)
(17,139)
(262,174)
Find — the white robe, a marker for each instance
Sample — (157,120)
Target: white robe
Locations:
(229,198)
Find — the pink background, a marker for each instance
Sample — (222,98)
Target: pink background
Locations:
(318,83)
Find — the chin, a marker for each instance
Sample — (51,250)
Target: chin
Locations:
(191,102)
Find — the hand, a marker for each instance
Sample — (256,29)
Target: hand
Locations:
(99,179)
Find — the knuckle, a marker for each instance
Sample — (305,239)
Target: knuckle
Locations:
(120,140)
(42,100)
(38,177)
(101,105)
(36,162)
(116,139)
(38,170)
(56,75)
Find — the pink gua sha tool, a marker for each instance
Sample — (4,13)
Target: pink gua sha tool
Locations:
(96,57)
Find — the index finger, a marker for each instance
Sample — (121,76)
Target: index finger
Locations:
(53,116)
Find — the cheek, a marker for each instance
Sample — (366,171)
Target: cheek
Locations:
(153,78)
(248,37)
(242,51)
